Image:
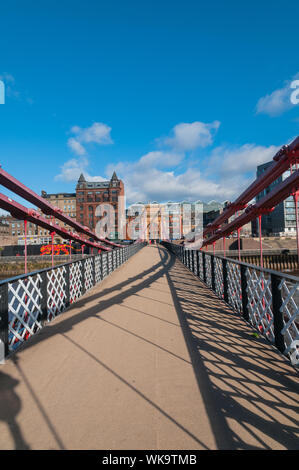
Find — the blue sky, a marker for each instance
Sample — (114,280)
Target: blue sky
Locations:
(182,98)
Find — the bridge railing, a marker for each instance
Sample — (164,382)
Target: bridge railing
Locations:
(29,301)
(268,300)
(277,261)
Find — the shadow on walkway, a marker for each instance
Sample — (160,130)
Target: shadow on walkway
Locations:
(87,311)
(10,406)
(249,390)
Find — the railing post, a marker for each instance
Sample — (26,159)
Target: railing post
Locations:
(244,293)
(44,295)
(198,264)
(225,284)
(113,260)
(213,272)
(101,267)
(4,317)
(204,267)
(277,314)
(94,270)
(68,286)
(83,276)
(110,262)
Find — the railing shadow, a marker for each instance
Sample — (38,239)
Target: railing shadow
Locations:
(88,311)
(10,406)
(249,389)
(87,308)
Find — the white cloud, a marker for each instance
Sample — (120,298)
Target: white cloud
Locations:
(76,146)
(160,159)
(189,136)
(240,160)
(72,169)
(98,133)
(278,101)
(168,174)
(226,173)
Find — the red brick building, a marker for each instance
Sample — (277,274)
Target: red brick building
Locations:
(91,194)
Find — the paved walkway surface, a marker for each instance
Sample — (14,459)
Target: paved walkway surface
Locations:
(149,359)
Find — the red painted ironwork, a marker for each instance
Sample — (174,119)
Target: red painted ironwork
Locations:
(52,240)
(23,213)
(25,241)
(261,241)
(263,206)
(19,188)
(286,156)
(295,196)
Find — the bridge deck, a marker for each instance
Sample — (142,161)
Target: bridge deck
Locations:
(149,359)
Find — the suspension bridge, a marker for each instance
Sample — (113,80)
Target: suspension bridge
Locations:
(150,346)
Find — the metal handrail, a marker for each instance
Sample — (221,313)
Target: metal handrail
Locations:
(29,301)
(267,299)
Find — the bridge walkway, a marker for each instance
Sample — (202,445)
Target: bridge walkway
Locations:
(148,359)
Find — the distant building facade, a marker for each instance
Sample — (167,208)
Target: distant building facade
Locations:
(161,221)
(91,194)
(66,202)
(281,221)
(5,235)
(15,232)
(209,217)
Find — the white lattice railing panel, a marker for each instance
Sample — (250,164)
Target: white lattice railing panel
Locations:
(98,276)
(290,310)
(30,300)
(208,270)
(75,281)
(260,301)
(192,262)
(88,274)
(200,261)
(24,310)
(104,265)
(110,261)
(189,259)
(218,277)
(234,286)
(195,270)
(56,292)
